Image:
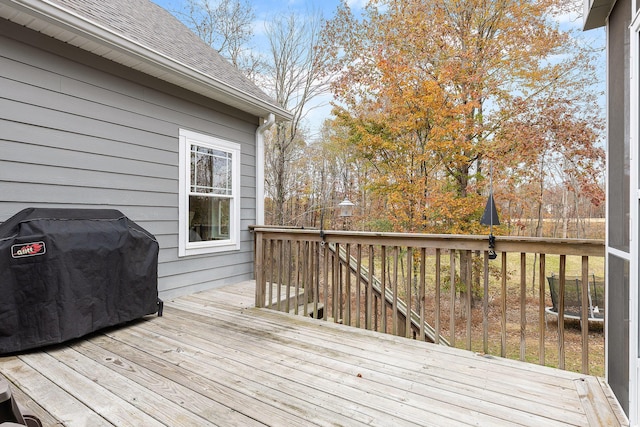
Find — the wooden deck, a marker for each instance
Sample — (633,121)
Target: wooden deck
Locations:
(213,359)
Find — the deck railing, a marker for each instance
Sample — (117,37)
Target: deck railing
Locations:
(440,288)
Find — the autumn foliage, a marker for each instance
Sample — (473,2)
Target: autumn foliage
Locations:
(432,95)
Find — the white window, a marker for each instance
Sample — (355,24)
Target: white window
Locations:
(209,194)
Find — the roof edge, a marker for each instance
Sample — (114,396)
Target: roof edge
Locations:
(193,79)
(596,13)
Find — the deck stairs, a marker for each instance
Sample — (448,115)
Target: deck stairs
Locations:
(376,286)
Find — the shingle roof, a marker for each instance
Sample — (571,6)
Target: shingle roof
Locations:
(140,29)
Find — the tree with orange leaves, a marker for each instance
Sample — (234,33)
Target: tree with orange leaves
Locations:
(434,91)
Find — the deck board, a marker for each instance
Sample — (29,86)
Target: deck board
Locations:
(408,367)
(214,359)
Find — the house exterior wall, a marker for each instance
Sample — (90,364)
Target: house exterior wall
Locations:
(80,131)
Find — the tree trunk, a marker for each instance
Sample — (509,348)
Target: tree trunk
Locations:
(466,259)
(565,213)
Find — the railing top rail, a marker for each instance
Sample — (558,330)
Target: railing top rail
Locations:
(579,247)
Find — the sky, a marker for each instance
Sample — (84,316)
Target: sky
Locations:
(264,9)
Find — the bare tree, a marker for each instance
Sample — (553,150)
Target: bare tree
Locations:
(295,76)
(292,73)
(227,26)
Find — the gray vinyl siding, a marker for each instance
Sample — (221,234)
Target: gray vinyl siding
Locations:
(80,131)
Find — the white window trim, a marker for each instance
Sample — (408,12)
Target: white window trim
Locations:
(186,248)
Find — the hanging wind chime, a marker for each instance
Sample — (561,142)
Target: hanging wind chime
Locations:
(490,217)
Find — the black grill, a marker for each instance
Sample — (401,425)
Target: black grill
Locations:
(67,272)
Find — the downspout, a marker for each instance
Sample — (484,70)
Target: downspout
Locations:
(260,167)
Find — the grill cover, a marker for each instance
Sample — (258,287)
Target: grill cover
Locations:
(67,272)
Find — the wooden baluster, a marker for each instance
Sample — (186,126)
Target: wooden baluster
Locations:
(310,281)
(438,286)
(561,287)
(358,283)
(394,292)
(279,266)
(503,307)
(347,291)
(469,295)
(452,308)
(422,292)
(383,290)
(370,305)
(523,306)
(375,314)
(271,274)
(336,284)
(305,278)
(541,307)
(286,275)
(585,314)
(316,281)
(340,288)
(408,330)
(297,261)
(485,305)
(325,254)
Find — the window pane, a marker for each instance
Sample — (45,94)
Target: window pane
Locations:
(209,218)
(210,171)
(222,170)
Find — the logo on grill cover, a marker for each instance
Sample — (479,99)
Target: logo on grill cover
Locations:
(28,249)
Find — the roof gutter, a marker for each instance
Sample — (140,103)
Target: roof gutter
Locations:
(596,13)
(151,61)
(260,167)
